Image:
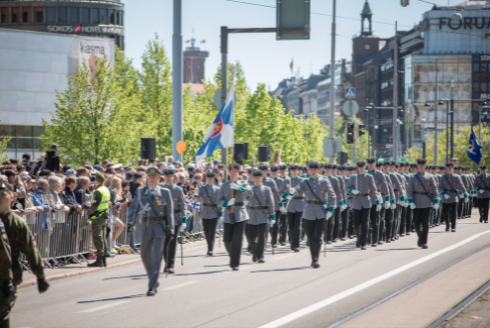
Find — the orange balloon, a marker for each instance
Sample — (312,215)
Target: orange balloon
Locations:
(181,147)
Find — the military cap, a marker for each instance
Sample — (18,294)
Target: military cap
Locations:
(327,166)
(6,186)
(263,167)
(395,165)
(352,168)
(335,166)
(250,170)
(303,168)
(236,166)
(274,168)
(210,174)
(483,167)
(361,164)
(449,165)
(283,167)
(442,167)
(421,161)
(294,167)
(341,167)
(457,167)
(168,172)
(257,173)
(413,164)
(99,177)
(379,164)
(370,160)
(314,165)
(153,171)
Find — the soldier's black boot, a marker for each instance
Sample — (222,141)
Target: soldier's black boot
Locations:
(97,263)
(104,261)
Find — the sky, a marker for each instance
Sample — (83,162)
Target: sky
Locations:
(264,59)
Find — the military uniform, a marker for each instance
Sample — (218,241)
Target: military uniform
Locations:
(210,211)
(6,277)
(295,207)
(399,189)
(342,215)
(422,195)
(277,199)
(178,200)
(155,205)
(333,223)
(319,194)
(482,184)
(388,213)
(383,195)
(235,217)
(452,188)
(280,228)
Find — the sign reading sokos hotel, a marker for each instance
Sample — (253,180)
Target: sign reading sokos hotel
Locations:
(85,29)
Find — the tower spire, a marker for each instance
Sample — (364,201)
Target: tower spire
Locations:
(366,14)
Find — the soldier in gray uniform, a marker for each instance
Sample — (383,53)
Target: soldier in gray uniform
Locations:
(320,204)
(363,188)
(155,205)
(342,201)
(383,195)
(207,195)
(335,221)
(452,189)
(295,203)
(281,226)
(387,220)
(399,189)
(279,206)
(232,196)
(180,219)
(422,195)
(344,215)
(482,184)
(259,210)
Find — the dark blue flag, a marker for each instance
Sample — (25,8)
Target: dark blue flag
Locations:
(474,149)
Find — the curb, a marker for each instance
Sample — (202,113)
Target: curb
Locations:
(74,274)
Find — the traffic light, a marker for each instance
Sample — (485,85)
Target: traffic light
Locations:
(350,133)
(358,131)
(404,3)
(361,129)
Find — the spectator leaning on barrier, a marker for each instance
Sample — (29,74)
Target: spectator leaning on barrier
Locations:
(80,192)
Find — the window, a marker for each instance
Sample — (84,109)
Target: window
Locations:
(15,15)
(63,15)
(38,14)
(74,17)
(103,16)
(112,19)
(95,16)
(122,17)
(23,139)
(50,15)
(116,13)
(5,17)
(27,15)
(85,15)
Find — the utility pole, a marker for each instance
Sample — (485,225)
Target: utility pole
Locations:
(224,82)
(395,95)
(435,124)
(177,72)
(452,125)
(332,88)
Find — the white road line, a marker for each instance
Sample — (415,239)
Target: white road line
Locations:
(312,308)
(180,285)
(102,307)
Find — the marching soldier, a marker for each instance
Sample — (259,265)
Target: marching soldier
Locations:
(335,220)
(389,213)
(180,219)
(423,196)
(399,189)
(281,227)
(320,204)
(344,216)
(295,206)
(155,205)
(383,195)
(482,184)
(15,238)
(457,171)
(279,206)
(259,209)
(342,201)
(451,188)
(207,195)
(232,196)
(99,213)
(363,188)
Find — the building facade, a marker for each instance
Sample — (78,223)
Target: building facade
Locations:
(194,64)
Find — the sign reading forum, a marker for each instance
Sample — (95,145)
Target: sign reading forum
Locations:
(92,50)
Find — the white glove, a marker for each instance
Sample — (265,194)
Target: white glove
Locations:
(343,207)
(355,191)
(406,204)
(273,222)
(393,206)
(412,205)
(231,202)
(292,191)
(466,200)
(282,209)
(233,186)
(196,192)
(329,215)
(183,226)
(387,205)
(325,206)
(446,196)
(246,202)
(482,191)
(378,208)
(436,206)
(461,195)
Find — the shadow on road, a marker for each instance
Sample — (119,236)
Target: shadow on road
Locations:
(134,277)
(113,299)
(279,270)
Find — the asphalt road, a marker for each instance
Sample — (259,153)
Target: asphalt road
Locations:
(285,291)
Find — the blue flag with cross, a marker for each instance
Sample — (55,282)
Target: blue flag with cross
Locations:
(474,148)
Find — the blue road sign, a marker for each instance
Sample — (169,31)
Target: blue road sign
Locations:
(350,92)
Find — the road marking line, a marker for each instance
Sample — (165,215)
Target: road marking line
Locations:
(312,308)
(102,307)
(180,285)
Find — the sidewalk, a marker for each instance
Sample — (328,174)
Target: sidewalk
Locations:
(72,270)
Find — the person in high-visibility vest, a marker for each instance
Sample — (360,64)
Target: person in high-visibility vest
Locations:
(98,213)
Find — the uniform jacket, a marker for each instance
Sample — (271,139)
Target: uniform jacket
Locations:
(342,188)
(349,196)
(262,196)
(446,185)
(208,194)
(383,193)
(398,186)
(224,194)
(271,183)
(178,200)
(389,183)
(367,190)
(297,204)
(323,189)
(415,187)
(279,181)
(337,190)
(482,182)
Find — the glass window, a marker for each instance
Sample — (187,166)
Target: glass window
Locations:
(122,17)
(25,143)
(116,13)
(95,16)
(476,67)
(7,131)
(27,15)
(74,15)
(50,15)
(476,86)
(15,15)
(483,87)
(85,15)
(38,144)
(11,143)
(5,17)
(63,15)
(103,16)
(24,131)
(38,15)
(112,19)
(38,131)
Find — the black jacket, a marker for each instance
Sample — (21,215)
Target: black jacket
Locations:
(68,198)
(80,197)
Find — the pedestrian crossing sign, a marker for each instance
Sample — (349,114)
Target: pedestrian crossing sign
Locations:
(350,92)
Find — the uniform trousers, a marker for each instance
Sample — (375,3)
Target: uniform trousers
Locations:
(330,226)
(381,226)
(361,219)
(294,223)
(98,235)
(352,224)
(280,228)
(314,231)
(232,238)
(449,214)
(336,226)
(209,226)
(170,249)
(409,220)
(153,238)
(374,225)
(460,208)
(388,224)
(483,208)
(396,221)
(258,233)
(248,236)
(421,221)
(345,218)
(403,221)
